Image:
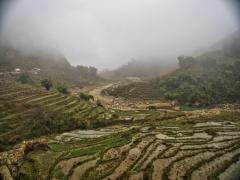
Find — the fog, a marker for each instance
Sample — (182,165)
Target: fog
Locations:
(109,33)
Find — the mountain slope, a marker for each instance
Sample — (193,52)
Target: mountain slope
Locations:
(55,66)
(213,77)
(146,68)
(27,112)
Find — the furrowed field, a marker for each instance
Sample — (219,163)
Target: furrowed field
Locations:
(136,144)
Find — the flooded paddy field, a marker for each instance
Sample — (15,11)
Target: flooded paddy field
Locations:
(146,150)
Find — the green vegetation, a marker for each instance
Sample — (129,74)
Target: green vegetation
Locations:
(86,97)
(39,66)
(165,150)
(141,90)
(24,78)
(99,103)
(205,87)
(27,112)
(142,68)
(44,161)
(47,84)
(62,88)
(84,140)
(211,78)
(192,107)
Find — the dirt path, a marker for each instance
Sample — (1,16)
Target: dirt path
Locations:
(121,103)
(96,93)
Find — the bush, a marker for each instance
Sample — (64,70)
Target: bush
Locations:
(205,85)
(47,84)
(86,97)
(99,103)
(211,132)
(115,116)
(62,89)
(24,78)
(152,107)
(36,146)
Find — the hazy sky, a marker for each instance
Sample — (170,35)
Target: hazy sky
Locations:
(108,33)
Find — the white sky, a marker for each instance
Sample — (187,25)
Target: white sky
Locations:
(108,33)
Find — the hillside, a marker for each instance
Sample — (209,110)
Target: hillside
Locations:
(27,112)
(137,90)
(143,68)
(154,143)
(193,147)
(211,78)
(54,66)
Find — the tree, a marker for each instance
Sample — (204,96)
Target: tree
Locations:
(62,89)
(92,71)
(47,84)
(99,103)
(24,78)
(186,62)
(86,97)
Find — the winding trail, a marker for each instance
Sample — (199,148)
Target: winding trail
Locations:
(97,94)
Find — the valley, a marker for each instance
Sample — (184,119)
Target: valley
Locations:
(138,143)
(119,90)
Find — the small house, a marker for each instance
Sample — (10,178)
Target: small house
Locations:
(17,70)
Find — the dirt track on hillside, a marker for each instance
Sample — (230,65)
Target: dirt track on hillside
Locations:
(122,103)
(97,94)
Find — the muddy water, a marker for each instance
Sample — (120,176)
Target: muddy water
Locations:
(83,134)
(201,135)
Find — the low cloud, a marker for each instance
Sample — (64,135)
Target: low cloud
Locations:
(109,33)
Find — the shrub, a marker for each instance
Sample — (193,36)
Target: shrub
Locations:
(211,132)
(115,116)
(99,103)
(35,146)
(152,107)
(24,78)
(47,84)
(86,97)
(62,89)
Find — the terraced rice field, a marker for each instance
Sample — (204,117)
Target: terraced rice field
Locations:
(141,144)
(209,150)
(24,109)
(141,90)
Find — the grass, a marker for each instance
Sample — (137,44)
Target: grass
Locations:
(41,161)
(27,171)
(27,119)
(97,149)
(37,112)
(188,123)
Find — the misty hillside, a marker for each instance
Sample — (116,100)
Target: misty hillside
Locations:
(145,68)
(213,77)
(27,111)
(55,67)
